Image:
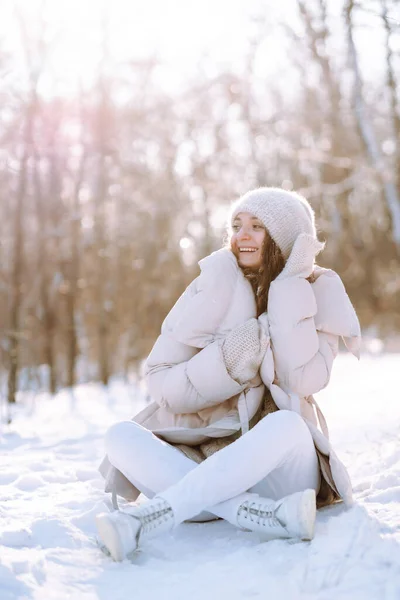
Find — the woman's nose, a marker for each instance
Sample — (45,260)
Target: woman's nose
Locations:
(244,233)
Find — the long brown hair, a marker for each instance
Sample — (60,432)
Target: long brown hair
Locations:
(272,263)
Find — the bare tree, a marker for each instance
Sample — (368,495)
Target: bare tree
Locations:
(368,133)
(392,84)
(28,123)
(103,140)
(333,171)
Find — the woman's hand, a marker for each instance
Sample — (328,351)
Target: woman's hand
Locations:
(244,349)
(302,257)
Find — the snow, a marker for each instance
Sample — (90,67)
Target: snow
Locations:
(50,492)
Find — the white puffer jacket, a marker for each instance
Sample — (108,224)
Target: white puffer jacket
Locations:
(194,397)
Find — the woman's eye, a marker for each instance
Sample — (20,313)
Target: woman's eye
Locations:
(235,227)
(258,227)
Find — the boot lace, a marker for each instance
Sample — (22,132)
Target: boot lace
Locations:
(153,516)
(260,513)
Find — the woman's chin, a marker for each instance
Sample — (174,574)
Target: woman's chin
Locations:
(249,262)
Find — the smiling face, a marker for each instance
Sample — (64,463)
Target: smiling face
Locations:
(248,234)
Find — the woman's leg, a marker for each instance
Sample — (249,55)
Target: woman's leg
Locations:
(280,444)
(276,458)
(149,463)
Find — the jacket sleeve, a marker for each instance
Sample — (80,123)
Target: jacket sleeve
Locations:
(188,386)
(303,355)
(185,370)
(197,315)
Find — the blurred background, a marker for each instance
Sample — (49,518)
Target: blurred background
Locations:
(128,127)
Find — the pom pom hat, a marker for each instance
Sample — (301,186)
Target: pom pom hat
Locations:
(284,214)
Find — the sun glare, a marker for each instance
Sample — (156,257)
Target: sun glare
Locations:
(83,37)
(79,34)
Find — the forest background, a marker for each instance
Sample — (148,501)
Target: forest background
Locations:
(127,130)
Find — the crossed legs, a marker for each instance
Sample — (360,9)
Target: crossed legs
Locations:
(274,459)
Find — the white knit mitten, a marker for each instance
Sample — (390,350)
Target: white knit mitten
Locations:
(301,260)
(244,349)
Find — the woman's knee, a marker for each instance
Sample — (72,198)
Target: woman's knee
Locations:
(117,436)
(291,425)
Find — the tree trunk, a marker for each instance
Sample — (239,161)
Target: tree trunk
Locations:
(74,267)
(17,261)
(48,320)
(71,294)
(16,276)
(103,317)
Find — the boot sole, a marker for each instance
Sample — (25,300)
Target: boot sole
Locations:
(110,537)
(307,514)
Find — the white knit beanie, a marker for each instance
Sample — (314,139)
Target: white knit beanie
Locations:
(284,214)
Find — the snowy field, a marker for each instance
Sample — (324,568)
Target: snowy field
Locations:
(50,492)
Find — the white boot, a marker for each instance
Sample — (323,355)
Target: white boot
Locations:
(289,517)
(123,531)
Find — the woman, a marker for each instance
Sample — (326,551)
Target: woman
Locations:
(232,431)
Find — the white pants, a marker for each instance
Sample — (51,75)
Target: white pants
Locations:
(274,459)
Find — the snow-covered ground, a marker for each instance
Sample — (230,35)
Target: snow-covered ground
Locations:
(50,491)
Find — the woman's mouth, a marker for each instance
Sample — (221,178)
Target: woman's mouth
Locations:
(247,249)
